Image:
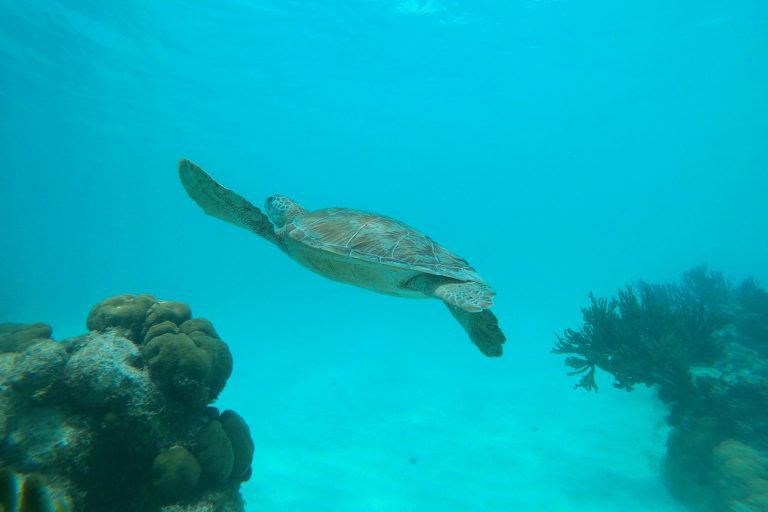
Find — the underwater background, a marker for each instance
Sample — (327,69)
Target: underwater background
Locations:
(561,147)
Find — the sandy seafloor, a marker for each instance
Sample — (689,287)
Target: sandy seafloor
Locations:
(401,413)
(409,448)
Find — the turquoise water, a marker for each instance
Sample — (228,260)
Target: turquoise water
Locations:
(560,147)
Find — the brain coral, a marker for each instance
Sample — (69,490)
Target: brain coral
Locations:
(166,311)
(124,313)
(194,367)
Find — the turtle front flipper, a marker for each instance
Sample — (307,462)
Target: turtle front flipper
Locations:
(222,203)
(483,329)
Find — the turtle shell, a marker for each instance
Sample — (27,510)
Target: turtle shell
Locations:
(378,239)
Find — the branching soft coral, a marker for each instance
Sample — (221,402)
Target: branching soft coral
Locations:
(651,334)
(703,345)
(752,313)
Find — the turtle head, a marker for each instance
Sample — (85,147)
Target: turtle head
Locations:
(282,210)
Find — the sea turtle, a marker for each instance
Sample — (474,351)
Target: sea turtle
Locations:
(360,248)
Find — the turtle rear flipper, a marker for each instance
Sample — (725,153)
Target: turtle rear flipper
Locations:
(222,203)
(483,329)
(470,295)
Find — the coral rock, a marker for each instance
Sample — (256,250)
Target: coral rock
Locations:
(220,500)
(103,372)
(5,406)
(45,437)
(8,364)
(17,337)
(39,366)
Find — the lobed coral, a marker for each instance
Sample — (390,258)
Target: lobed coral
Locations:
(116,419)
(125,314)
(242,444)
(192,365)
(176,473)
(214,451)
